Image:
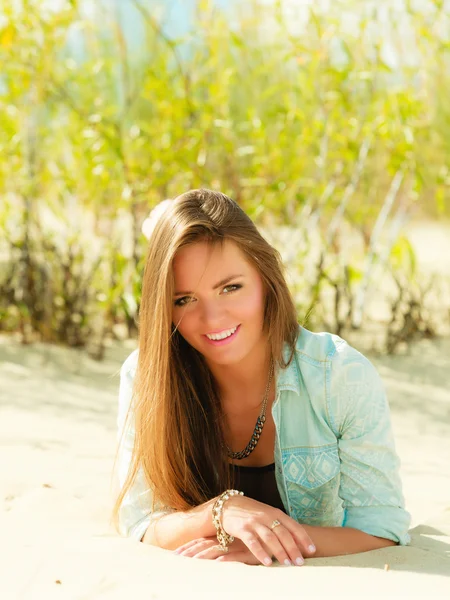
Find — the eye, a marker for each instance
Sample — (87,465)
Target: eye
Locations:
(232,288)
(183,301)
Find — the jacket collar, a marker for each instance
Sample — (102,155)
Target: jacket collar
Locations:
(289,378)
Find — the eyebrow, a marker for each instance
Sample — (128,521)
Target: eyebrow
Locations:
(217,285)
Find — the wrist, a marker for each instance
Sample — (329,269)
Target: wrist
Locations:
(208,529)
(223,537)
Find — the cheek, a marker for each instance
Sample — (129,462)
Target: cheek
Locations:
(252,305)
(186,322)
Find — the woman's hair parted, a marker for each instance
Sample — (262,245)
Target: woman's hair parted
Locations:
(176,408)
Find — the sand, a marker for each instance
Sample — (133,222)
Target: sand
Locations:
(57,432)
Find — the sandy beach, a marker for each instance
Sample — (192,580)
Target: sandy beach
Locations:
(58,435)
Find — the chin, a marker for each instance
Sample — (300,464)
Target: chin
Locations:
(231,358)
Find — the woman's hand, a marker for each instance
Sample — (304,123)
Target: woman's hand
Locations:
(250,521)
(207,548)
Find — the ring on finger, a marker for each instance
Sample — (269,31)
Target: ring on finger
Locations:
(275,524)
(224,549)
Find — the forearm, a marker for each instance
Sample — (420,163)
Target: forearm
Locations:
(175,529)
(336,541)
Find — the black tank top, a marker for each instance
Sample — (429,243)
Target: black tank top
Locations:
(258,483)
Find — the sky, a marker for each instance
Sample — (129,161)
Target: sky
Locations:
(176,17)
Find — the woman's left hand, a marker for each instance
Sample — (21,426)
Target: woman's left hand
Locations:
(208,548)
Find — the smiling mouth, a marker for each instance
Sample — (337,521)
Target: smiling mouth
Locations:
(223,335)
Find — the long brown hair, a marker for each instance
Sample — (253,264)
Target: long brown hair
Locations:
(177,411)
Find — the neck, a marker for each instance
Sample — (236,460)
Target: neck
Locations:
(242,385)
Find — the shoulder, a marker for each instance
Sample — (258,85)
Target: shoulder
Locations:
(330,363)
(127,373)
(318,347)
(129,365)
(352,386)
(327,350)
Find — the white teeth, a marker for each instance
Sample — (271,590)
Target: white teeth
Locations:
(221,336)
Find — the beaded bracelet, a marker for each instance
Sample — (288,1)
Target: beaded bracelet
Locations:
(223,537)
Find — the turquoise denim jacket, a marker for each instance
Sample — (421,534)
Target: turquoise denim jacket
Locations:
(335,458)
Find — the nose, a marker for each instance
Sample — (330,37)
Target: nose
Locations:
(212,315)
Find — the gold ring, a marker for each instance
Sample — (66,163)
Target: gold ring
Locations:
(275,524)
(224,549)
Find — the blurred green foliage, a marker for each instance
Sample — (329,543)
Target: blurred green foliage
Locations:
(314,126)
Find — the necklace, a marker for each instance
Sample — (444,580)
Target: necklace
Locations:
(258,427)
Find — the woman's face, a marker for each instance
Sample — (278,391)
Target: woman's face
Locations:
(218,304)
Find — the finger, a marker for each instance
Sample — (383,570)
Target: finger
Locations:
(189,544)
(243,557)
(280,544)
(210,553)
(290,545)
(302,539)
(254,544)
(197,548)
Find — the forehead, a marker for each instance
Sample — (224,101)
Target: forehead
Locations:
(204,263)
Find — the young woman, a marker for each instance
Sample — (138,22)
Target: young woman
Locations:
(227,392)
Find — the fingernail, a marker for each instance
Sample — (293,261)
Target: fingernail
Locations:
(267,561)
(287,562)
(312,548)
(299,561)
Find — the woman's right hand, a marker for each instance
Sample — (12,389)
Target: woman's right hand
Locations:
(250,521)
